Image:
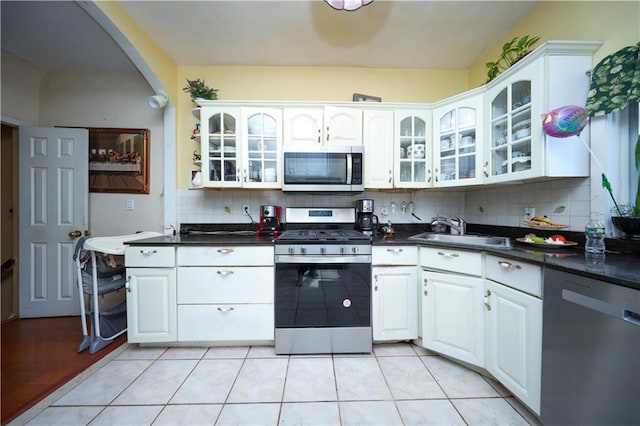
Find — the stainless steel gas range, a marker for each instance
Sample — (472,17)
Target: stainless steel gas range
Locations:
(323,283)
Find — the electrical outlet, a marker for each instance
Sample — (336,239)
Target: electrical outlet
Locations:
(528,213)
(245,210)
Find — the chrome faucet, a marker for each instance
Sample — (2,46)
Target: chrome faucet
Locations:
(456,223)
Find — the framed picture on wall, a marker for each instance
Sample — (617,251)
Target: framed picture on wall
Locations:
(119,160)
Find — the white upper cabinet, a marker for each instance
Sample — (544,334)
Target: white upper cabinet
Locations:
(412,149)
(378,146)
(221,145)
(262,130)
(516,148)
(458,139)
(324,126)
(240,147)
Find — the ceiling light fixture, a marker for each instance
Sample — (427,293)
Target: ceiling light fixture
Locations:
(349,5)
(158,101)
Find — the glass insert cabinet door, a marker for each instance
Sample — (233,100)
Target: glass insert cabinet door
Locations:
(456,146)
(510,137)
(414,154)
(222,148)
(263,141)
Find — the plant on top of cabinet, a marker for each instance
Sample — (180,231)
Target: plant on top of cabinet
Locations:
(512,52)
(197,89)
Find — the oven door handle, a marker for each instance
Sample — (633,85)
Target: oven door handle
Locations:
(284,258)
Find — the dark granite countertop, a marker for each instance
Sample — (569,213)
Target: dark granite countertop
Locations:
(621,265)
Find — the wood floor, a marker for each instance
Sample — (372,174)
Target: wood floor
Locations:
(40,355)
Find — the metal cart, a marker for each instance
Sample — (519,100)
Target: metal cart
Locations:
(99,263)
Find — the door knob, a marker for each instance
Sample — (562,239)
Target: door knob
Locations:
(75,234)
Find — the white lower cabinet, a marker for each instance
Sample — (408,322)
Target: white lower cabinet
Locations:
(452,317)
(513,321)
(225,294)
(151,294)
(395,303)
(394,296)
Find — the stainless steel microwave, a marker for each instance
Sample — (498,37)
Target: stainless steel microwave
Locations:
(323,168)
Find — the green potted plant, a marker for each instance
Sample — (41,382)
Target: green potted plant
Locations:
(197,89)
(512,52)
(628,220)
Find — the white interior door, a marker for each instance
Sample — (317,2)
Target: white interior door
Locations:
(53,201)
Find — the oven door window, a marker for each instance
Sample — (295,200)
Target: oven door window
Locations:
(315,168)
(322,295)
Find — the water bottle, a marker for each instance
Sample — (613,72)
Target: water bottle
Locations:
(594,233)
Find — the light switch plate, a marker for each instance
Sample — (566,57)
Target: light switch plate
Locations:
(528,213)
(130,205)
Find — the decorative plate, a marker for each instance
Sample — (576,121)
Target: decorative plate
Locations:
(546,227)
(546,244)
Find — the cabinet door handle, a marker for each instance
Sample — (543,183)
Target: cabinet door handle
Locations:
(148,252)
(224,273)
(375,279)
(327,133)
(429,173)
(395,250)
(390,176)
(436,174)
(319,133)
(225,250)
(441,253)
(127,284)
(485,169)
(508,265)
(424,286)
(227,309)
(486,300)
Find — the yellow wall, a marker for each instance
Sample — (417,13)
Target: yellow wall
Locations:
(615,23)
(158,60)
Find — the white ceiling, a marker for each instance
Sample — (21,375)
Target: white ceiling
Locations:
(59,35)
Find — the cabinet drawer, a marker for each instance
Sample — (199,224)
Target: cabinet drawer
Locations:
(153,256)
(519,275)
(394,255)
(225,284)
(447,259)
(228,322)
(225,255)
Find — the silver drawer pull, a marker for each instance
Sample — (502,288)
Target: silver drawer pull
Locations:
(148,252)
(441,253)
(228,309)
(508,265)
(394,250)
(225,250)
(224,273)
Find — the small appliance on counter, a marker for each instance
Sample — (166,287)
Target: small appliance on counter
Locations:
(366,221)
(270,220)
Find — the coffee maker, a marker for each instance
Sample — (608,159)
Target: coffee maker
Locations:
(366,221)
(270,217)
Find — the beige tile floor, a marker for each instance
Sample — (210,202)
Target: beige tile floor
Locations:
(396,384)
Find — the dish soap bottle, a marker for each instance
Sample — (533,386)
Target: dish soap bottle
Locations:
(594,233)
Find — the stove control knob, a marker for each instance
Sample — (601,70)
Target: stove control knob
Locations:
(342,250)
(323,250)
(292,250)
(303,250)
(354,250)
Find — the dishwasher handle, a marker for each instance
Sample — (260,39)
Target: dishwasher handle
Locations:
(631,317)
(601,306)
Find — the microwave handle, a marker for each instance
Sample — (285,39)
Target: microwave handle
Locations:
(349,169)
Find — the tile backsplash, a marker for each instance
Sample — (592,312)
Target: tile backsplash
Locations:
(564,201)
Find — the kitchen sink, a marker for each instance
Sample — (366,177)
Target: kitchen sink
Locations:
(480,241)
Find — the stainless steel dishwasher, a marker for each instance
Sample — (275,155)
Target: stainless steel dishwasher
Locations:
(590,352)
